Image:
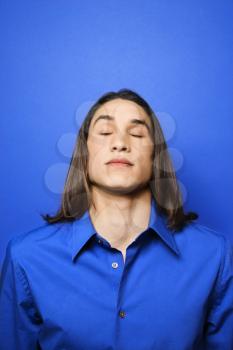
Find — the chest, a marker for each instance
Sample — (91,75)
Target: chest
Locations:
(104,303)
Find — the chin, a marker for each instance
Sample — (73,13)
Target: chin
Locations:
(119,189)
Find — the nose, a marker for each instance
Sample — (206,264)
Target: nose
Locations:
(120,143)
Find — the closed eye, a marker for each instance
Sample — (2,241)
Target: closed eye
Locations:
(108,133)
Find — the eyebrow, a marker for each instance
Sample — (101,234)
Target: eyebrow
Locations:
(133,121)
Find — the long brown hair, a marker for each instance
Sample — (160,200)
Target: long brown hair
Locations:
(76,196)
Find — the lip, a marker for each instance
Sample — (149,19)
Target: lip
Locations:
(119,164)
(122,161)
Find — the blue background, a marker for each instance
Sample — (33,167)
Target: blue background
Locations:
(57,57)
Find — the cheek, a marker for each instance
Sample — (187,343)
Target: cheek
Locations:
(145,153)
(146,164)
(95,141)
(95,159)
(143,147)
(95,150)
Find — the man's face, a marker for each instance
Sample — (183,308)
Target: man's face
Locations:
(116,135)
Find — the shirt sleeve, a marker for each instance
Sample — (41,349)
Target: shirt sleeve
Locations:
(219,329)
(19,320)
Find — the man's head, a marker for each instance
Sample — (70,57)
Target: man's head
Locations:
(121,125)
(120,130)
(124,116)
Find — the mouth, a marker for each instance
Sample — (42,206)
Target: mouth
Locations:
(120,164)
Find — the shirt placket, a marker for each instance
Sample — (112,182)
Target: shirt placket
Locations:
(119,271)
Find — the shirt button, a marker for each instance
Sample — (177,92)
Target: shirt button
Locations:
(122,314)
(99,241)
(115,265)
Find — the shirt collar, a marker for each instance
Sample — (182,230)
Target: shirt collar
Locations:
(83,230)
(158,225)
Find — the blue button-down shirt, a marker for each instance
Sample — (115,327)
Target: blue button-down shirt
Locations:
(63,287)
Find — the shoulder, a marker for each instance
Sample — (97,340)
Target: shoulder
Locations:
(205,246)
(204,243)
(199,234)
(30,243)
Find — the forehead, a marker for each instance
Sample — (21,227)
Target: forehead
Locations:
(122,111)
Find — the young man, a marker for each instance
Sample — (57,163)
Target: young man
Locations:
(120,266)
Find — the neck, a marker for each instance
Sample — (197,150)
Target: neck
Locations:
(119,218)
